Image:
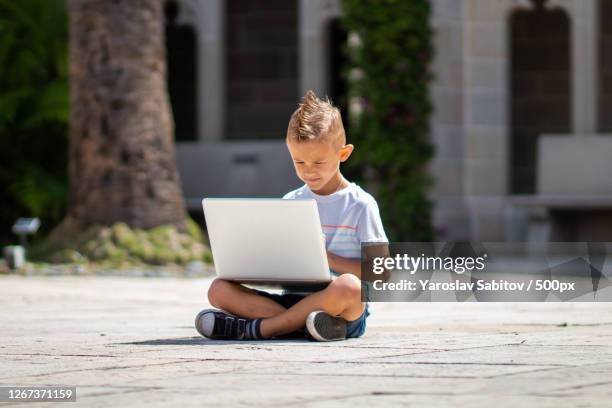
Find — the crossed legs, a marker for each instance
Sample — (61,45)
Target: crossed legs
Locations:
(342,297)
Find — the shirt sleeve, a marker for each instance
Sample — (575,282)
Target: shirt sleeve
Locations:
(369,226)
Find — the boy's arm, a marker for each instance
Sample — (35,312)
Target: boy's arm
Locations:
(371,232)
(344,265)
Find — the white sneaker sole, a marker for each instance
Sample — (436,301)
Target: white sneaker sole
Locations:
(330,328)
(205,322)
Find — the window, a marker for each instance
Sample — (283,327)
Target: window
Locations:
(182,71)
(540,84)
(261,67)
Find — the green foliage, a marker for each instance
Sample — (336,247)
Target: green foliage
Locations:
(389,76)
(34,111)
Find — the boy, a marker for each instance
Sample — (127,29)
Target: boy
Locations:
(349,216)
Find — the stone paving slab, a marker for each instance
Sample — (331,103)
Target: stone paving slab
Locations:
(130,342)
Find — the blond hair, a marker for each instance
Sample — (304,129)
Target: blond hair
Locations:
(316,120)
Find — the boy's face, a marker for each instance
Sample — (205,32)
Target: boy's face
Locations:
(317,163)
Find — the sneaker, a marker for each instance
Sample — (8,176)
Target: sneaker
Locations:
(218,325)
(325,327)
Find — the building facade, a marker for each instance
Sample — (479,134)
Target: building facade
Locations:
(521,95)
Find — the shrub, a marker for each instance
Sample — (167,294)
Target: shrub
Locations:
(33,111)
(390,51)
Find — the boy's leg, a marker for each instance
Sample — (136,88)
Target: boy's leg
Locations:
(341,298)
(241,301)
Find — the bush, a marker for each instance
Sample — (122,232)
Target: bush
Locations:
(390,51)
(33,112)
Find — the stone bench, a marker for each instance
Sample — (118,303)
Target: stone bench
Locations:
(567,218)
(574,190)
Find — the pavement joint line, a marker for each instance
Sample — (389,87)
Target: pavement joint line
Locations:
(253,371)
(391,362)
(119,386)
(566,345)
(362,375)
(459,363)
(236,370)
(131,391)
(371,393)
(104,368)
(324,399)
(409,393)
(546,366)
(550,368)
(355,362)
(525,344)
(605,364)
(560,325)
(455,349)
(577,387)
(552,395)
(431,351)
(57,355)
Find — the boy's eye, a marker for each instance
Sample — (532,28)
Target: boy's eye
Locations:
(299,162)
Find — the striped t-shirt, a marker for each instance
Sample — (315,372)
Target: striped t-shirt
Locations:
(348,217)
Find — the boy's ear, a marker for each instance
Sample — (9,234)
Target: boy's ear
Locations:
(345,152)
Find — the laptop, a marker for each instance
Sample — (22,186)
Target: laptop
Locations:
(267,240)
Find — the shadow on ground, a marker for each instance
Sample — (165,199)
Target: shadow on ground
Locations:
(201,341)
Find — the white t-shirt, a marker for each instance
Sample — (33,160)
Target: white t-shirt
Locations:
(348,217)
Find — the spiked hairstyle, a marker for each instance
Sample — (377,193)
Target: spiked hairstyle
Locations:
(316,120)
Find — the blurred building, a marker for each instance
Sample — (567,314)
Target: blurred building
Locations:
(521,94)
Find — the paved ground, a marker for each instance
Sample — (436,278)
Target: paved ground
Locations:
(130,342)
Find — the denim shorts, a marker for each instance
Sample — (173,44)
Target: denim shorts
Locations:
(354,328)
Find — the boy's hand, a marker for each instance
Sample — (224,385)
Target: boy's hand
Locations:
(329,258)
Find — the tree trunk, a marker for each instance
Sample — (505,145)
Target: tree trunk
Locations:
(122,160)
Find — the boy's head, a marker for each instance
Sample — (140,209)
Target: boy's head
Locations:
(316,120)
(317,142)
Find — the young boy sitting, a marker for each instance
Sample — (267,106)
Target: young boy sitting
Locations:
(349,216)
